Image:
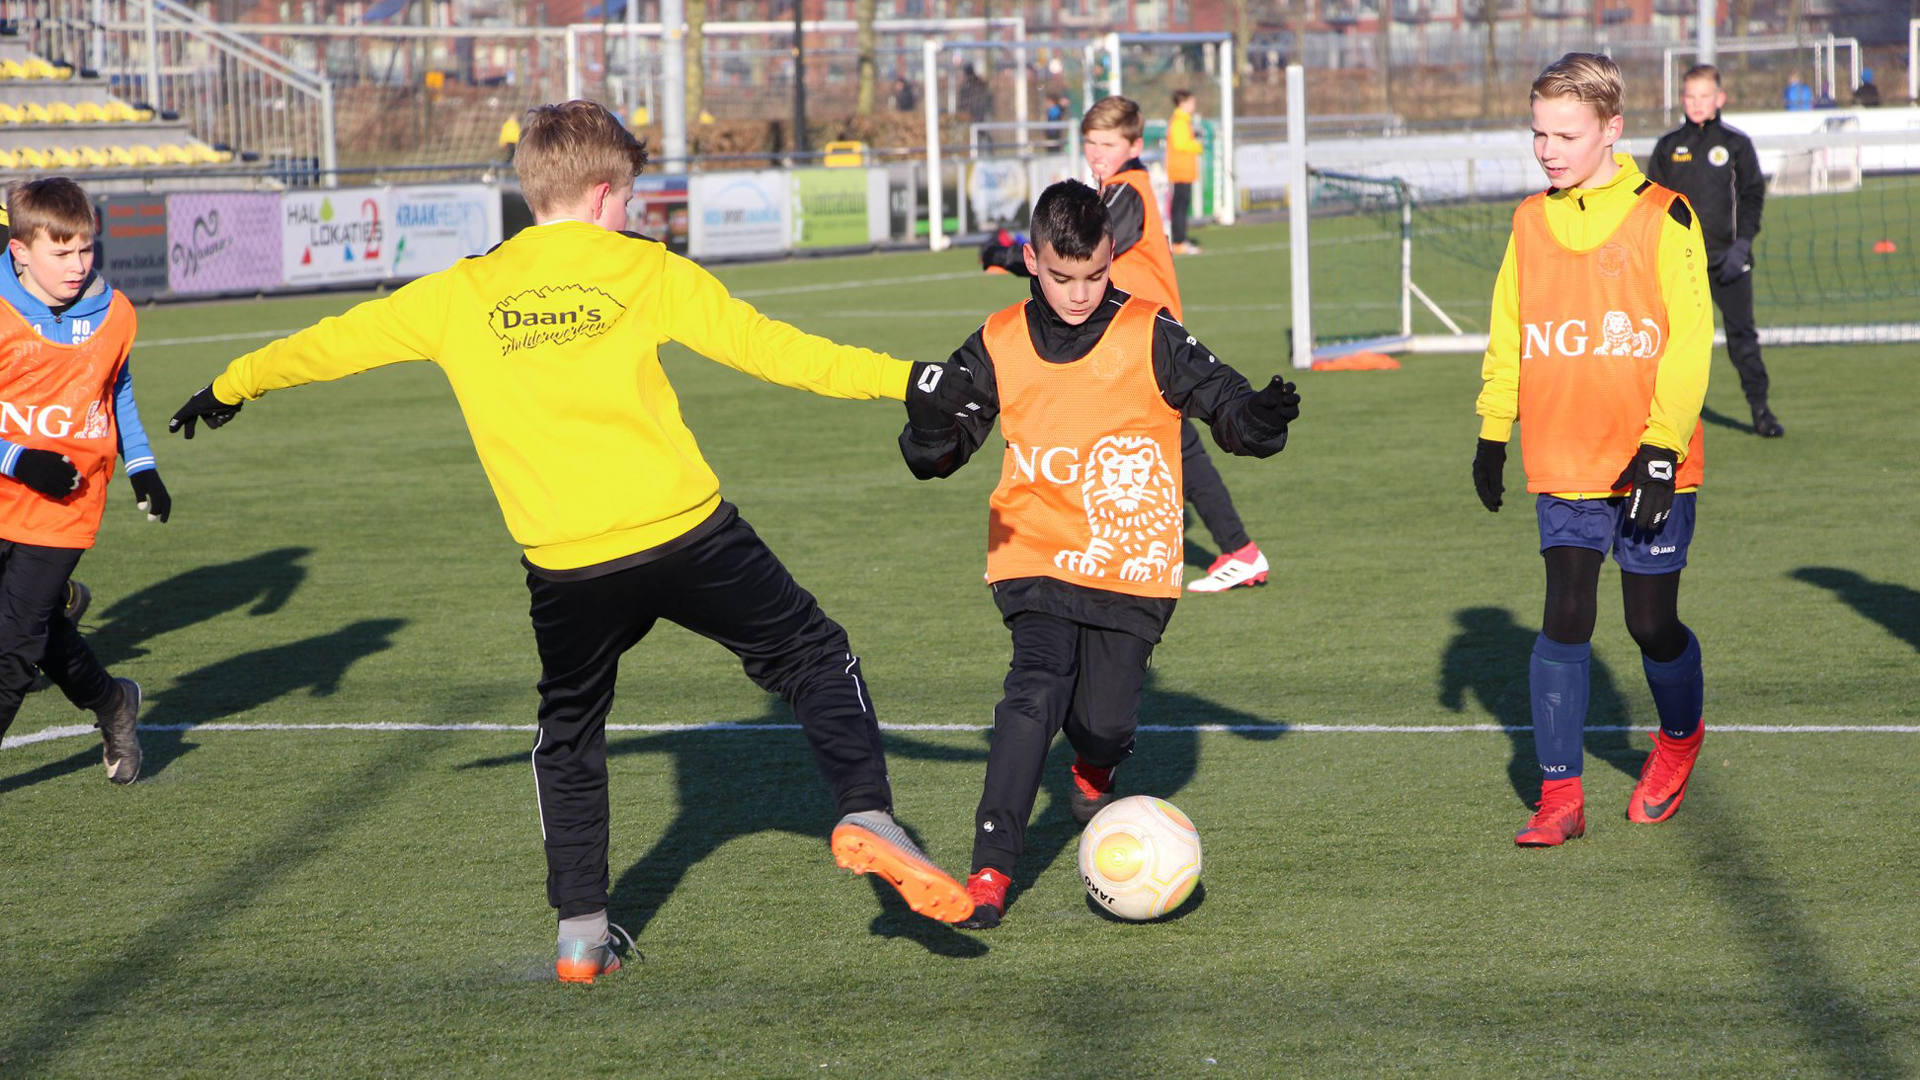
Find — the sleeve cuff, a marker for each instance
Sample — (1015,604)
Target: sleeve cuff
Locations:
(224,391)
(893,382)
(1496,429)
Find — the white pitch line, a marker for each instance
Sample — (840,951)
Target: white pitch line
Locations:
(77,730)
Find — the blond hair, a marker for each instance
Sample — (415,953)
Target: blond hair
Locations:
(1589,78)
(1116,114)
(568,148)
(53,205)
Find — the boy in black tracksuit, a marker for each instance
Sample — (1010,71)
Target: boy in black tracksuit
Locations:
(1084,535)
(1716,168)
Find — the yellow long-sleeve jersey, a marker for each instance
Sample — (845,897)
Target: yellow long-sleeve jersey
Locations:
(550,342)
(1582,219)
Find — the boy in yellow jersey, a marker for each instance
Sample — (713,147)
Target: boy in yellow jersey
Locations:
(1084,531)
(1600,336)
(549,342)
(1184,148)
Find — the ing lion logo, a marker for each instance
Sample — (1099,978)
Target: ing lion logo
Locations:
(1619,338)
(1612,260)
(1133,511)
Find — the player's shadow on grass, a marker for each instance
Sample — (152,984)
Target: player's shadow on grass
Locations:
(734,784)
(1894,606)
(1708,415)
(264,581)
(251,681)
(124,970)
(1487,658)
(52,770)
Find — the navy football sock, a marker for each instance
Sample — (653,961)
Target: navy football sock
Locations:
(1678,690)
(1557,678)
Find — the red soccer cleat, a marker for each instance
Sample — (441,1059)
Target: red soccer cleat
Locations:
(1092,789)
(1562,815)
(988,889)
(1663,779)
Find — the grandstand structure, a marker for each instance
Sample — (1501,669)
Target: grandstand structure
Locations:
(129,94)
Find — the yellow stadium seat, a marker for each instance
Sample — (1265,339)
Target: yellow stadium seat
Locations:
(12,69)
(91,112)
(63,158)
(40,69)
(122,113)
(9,160)
(32,159)
(147,155)
(10,114)
(36,113)
(207,155)
(62,113)
(94,158)
(120,155)
(176,154)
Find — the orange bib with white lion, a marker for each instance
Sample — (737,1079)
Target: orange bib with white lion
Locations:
(1089,490)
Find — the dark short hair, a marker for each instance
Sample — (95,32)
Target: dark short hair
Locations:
(1071,217)
(1181,97)
(1701,71)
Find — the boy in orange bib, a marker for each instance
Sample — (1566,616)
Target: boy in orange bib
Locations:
(66,412)
(1084,532)
(1600,337)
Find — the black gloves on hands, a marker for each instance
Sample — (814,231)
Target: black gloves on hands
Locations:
(48,473)
(1651,473)
(151,495)
(202,406)
(1736,260)
(939,396)
(1489,470)
(1276,405)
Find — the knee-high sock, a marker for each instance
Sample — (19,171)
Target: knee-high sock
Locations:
(1557,680)
(1679,691)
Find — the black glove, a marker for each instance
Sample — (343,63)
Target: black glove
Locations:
(48,473)
(1736,260)
(151,495)
(1004,251)
(939,396)
(1276,405)
(202,406)
(1651,474)
(1489,472)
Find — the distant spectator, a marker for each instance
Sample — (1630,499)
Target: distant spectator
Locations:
(1799,96)
(509,137)
(904,97)
(1058,106)
(1867,94)
(976,101)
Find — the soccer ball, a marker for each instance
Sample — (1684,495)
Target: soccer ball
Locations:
(1140,857)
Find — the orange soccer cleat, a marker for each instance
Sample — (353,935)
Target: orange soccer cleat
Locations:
(1663,779)
(1562,815)
(1092,789)
(871,842)
(580,960)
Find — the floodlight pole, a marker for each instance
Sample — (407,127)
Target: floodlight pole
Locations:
(1226,202)
(1297,196)
(1113,65)
(673,76)
(1709,11)
(930,78)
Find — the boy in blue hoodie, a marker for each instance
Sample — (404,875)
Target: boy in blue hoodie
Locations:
(66,411)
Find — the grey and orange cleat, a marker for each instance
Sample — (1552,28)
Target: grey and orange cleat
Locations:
(871,842)
(581,961)
(119,730)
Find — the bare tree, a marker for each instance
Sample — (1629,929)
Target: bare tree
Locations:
(1490,73)
(863,11)
(1386,53)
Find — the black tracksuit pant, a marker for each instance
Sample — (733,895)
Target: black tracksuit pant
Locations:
(1180,211)
(1735,302)
(35,632)
(726,586)
(1068,675)
(1208,493)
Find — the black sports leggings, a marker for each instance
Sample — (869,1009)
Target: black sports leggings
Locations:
(1652,603)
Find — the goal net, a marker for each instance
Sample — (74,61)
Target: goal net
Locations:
(1405,241)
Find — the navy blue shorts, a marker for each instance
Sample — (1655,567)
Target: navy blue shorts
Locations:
(1602,525)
